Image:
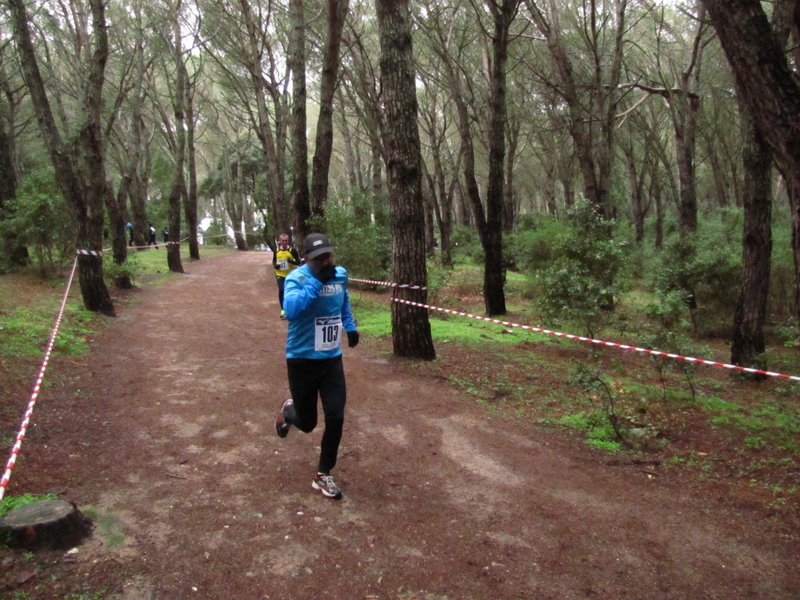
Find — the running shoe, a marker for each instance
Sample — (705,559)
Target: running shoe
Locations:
(326,485)
(282,426)
(283,315)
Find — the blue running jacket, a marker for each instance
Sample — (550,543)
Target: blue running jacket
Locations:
(318,314)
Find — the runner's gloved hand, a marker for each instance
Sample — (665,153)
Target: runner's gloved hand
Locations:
(352,338)
(326,273)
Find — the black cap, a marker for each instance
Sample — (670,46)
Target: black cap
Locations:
(316,244)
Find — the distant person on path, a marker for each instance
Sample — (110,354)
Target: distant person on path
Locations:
(130,233)
(318,308)
(165,233)
(153,240)
(284,260)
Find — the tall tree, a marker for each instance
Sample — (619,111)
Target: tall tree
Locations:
(768,90)
(503,13)
(684,104)
(82,179)
(488,222)
(323,150)
(748,344)
(587,77)
(177,190)
(15,253)
(297,60)
(411,331)
(253,53)
(190,204)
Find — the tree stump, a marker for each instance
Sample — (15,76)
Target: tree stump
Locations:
(55,524)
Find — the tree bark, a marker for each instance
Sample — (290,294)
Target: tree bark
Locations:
(178,189)
(494,266)
(297,56)
(509,204)
(747,345)
(190,207)
(337,13)
(115,205)
(685,144)
(411,332)
(16,254)
(233,199)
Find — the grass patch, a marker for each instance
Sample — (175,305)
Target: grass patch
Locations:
(13,502)
(599,432)
(26,330)
(760,418)
(374,318)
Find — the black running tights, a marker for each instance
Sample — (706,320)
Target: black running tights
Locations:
(307,378)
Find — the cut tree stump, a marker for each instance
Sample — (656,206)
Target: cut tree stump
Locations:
(45,524)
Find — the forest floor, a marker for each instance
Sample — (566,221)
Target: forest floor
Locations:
(164,435)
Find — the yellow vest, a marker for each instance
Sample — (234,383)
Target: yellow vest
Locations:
(282,258)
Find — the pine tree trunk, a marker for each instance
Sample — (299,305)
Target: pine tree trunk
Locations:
(16,254)
(178,189)
(685,141)
(411,332)
(297,56)
(337,13)
(115,205)
(748,346)
(494,265)
(190,207)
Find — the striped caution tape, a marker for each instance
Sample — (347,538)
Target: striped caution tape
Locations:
(27,418)
(89,252)
(601,342)
(405,286)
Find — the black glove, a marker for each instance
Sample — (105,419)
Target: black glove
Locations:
(352,338)
(326,273)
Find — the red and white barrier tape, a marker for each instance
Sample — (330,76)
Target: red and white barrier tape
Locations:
(27,418)
(405,286)
(601,342)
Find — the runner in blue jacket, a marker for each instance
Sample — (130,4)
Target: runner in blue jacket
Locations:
(318,309)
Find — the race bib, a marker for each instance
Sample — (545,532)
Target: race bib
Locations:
(327,333)
(283,264)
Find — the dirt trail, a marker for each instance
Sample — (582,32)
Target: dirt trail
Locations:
(165,434)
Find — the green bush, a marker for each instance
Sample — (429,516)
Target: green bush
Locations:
(362,245)
(42,221)
(781,284)
(466,245)
(132,267)
(582,279)
(705,267)
(533,246)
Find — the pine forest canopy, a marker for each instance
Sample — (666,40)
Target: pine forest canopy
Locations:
(172,110)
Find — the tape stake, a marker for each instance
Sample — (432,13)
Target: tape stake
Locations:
(570,336)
